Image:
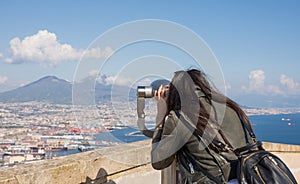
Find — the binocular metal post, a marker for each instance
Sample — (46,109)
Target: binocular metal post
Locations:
(169,175)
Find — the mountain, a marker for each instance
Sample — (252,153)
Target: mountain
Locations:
(89,91)
(48,89)
(54,90)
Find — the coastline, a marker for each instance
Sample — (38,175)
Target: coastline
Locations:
(271,111)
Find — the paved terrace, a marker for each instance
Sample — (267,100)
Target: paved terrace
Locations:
(123,164)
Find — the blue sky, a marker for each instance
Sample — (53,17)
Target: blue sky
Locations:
(256,42)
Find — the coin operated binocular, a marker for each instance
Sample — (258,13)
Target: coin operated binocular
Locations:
(144,92)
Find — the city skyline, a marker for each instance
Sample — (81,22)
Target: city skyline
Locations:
(255,42)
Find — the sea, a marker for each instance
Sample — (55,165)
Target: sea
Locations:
(280,128)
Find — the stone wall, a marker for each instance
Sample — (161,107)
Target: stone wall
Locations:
(97,166)
(123,164)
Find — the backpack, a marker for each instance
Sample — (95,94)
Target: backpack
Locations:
(263,167)
(255,165)
(258,166)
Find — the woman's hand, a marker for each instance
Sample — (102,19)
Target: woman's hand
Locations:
(161,92)
(160,97)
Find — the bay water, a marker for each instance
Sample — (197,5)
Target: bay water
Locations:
(280,128)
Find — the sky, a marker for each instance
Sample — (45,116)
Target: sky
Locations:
(256,43)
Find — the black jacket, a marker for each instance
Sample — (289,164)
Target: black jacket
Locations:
(174,136)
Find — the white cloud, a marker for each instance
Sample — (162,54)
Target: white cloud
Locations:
(257,80)
(273,89)
(112,80)
(122,81)
(93,73)
(292,86)
(1,55)
(257,84)
(3,79)
(98,53)
(43,47)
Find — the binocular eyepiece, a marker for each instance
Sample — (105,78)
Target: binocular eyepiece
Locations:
(145,91)
(142,93)
(149,91)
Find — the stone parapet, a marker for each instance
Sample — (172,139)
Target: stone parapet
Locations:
(126,163)
(277,147)
(88,167)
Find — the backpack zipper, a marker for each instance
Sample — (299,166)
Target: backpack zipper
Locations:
(273,160)
(191,168)
(258,173)
(242,165)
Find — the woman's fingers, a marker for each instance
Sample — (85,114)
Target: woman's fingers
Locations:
(159,91)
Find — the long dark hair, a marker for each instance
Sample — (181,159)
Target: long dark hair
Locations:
(209,93)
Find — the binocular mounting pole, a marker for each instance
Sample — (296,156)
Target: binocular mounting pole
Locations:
(141,118)
(168,175)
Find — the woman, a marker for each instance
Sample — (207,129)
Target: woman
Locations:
(193,105)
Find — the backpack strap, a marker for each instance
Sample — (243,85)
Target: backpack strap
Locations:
(248,129)
(257,144)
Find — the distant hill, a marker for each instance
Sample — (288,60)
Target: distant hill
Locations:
(48,89)
(268,101)
(54,90)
